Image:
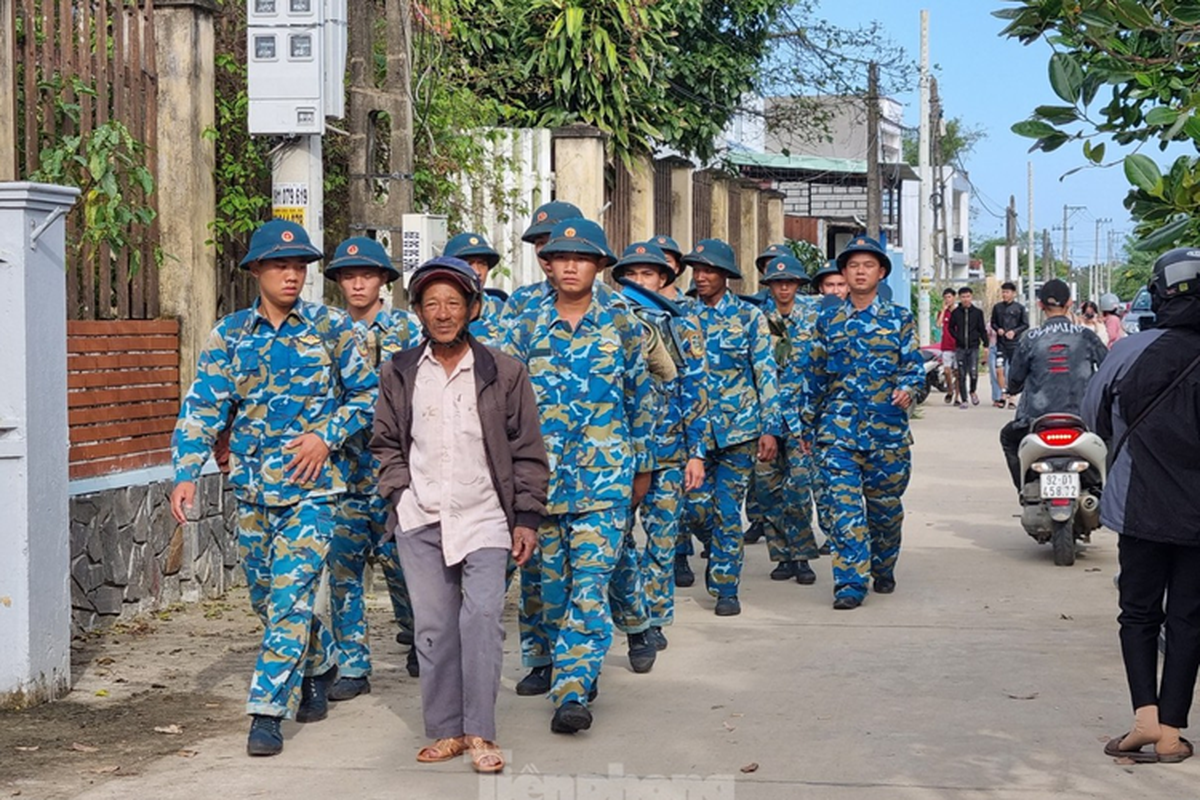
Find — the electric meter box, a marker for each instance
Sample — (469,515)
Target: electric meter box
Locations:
(423,236)
(290,54)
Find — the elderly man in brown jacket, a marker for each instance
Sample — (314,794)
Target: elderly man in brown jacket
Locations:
(463,464)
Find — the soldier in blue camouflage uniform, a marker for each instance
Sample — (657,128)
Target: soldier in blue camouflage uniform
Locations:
(474,249)
(291,380)
(744,412)
(675,355)
(782,488)
(755,496)
(362,269)
(589,374)
(871,372)
(537,650)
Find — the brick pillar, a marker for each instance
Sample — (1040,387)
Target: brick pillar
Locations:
(187,194)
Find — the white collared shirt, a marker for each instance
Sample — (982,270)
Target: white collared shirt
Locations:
(450,480)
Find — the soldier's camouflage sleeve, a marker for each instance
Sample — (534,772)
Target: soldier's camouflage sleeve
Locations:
(912,366)
(639,402)
(516,339)
(766,378)
(693,380)
(204,411)
(359,383)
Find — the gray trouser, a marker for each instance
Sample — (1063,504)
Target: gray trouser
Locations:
(458,631)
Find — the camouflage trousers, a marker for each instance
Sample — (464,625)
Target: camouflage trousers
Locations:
(659,514)
(537,649)
(579,553)
(780,498)
(283,550)
(863,489)
(642,593)
(359,534)
(713,514)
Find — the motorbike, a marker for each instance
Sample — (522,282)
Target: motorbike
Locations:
(935,375)
(1064,467)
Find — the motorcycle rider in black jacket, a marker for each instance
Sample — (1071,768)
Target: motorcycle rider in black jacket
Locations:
(1145,402)
(1050,369)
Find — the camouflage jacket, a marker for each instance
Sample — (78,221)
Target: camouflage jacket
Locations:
(797,346)
(681,403)
(533,293)
(594,401)
(489,328)
(743,386)
(388,334)
(868,355)
(309,376)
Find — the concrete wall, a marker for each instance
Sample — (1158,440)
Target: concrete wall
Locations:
(128,555)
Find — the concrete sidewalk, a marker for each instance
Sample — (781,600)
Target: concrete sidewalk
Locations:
(989,673)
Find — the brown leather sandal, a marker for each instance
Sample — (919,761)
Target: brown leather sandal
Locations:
(486,756)
(442,750)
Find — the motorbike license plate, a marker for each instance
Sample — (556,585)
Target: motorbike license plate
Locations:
(1059,485)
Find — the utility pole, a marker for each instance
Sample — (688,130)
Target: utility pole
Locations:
(381,161)
(1068,211)
(925,176)
(1095,283)
(1030,255)
(1047,257)
(874,191)
(1010,243)
(941,218)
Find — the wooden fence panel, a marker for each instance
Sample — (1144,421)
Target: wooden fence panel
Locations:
(122,394)
(80,64)
(662,198)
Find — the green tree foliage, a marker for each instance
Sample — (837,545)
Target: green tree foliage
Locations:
(957,142)
(1124,71)
(670,71)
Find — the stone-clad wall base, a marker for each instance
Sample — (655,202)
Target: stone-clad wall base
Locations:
(128,555)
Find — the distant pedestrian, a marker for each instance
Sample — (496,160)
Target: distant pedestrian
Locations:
(1089,317)
(1110,306)
(1009,321)
(947,344)
(463,467)
(970,333)
(1143,402)
(993,377)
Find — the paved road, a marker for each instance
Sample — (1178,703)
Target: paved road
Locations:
(990,673)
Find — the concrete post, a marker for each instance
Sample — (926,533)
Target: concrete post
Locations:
(579,160)
(749,240)
(681,204)
(35,551)
(187,194)
(719,211)
(775,227)
(641,199)
(8,91)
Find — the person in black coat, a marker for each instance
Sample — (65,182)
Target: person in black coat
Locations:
(1145,403)
(970,332)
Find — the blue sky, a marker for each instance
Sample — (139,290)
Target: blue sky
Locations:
(991,83)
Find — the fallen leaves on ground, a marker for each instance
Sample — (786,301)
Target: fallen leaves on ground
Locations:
(1023,696)
(170,730)
(84,748)
(751,767)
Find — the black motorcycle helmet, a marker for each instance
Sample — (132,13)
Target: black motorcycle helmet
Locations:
(1176,274)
